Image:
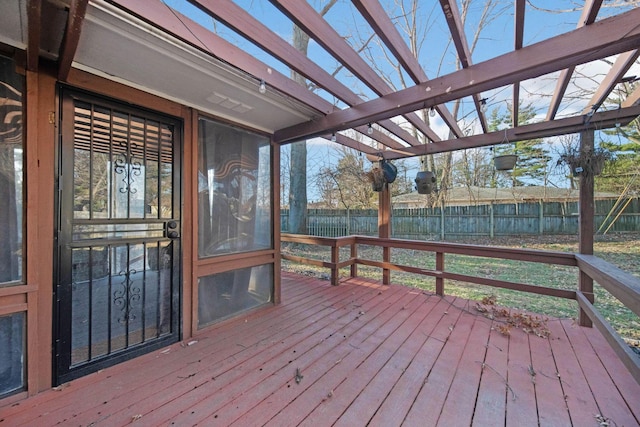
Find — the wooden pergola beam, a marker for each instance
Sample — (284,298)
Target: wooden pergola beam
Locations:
(227,12)
(633,98)
(71,37)
(563,126)
(34,16)
(456,28)
(613,77)
(588,16)
(313,24)
(373,12)
(607,37)
(518,40)
(180,26)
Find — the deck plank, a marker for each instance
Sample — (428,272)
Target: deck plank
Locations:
(427,406)
(582,406)
(189,384)
(287,362)
(611,404)
(493,392)
(521,401)
(365,406)
(461,401)
(368,354)
(550,398)
(371,337)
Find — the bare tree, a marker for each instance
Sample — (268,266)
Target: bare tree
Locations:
(298,164)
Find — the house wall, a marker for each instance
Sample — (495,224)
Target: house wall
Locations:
(35,296)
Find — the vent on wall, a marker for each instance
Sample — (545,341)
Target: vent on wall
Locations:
(228,103)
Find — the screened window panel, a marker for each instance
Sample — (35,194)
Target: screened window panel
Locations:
(234,188)
(11,172)
(226,294)
(12,353)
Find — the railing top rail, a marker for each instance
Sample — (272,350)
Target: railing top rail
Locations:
(531,255)
(316,240)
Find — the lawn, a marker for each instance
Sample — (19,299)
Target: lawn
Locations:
(622,250)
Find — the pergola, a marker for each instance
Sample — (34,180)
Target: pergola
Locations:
(226,59)
(592,40)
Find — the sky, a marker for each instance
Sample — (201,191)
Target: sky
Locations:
(543,19)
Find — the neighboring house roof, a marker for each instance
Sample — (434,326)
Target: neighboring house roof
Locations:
(480,195)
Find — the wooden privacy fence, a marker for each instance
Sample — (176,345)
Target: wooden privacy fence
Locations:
(490,220)
(622,285)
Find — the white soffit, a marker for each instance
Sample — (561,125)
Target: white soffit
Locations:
(122,48)
(13,23)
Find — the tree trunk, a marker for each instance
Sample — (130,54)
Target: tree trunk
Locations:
(298,189)
(298,166)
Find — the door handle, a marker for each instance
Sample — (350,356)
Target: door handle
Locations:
(171,229)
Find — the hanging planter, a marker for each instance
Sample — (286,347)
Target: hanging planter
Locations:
(376,177)
(590,162)
(505,162)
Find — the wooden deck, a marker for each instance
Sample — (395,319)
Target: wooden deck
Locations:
(357,354)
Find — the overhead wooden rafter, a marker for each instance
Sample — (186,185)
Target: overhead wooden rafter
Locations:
(607,37)
(545,129)
(613,77)
(456,28)
(588,17)
(244,24)
(312,23)
(71,37)
(34,12)
(382,25)
(187,30)
(518,41)
(182,27)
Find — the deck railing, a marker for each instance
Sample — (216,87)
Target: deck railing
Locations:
(622,285)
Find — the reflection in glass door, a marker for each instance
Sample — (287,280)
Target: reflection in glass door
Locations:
(118,237)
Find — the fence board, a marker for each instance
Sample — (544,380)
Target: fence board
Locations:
(507,219)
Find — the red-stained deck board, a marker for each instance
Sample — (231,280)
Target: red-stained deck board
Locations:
(461,401)
(521,397)
(365,406)
(333,374)
(368,355)
(362,377)
(223,367)
(310,365)
(610,403)
(629,388)
(493,391)
(158,387)
(552,410)
(394,409)
(582,406)
(139,372)
(428,404)
(283,357)
(316,365)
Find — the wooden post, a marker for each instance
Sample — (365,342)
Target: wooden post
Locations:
(384,228)
(277,224)
(442,221)
(586,221)
(491,221)
(440,268)
(335,259)
(541,217)
(354,255)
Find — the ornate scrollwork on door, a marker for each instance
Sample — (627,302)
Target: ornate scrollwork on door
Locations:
(126,296)
(126,164)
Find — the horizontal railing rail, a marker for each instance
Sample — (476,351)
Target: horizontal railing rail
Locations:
(622,285)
